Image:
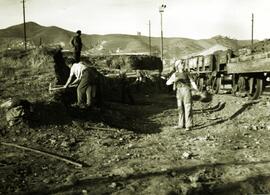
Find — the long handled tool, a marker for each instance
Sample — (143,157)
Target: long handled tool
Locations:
(58,88)
(55,88)
(43,153)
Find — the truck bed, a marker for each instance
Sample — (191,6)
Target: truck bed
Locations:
(249,64)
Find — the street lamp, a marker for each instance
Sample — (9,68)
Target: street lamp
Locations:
(161,10)
(24,25)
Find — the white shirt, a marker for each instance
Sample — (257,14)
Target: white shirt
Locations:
(77,70)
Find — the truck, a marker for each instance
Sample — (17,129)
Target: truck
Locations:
(247,70)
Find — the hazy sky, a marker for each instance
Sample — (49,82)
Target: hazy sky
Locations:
(182,18)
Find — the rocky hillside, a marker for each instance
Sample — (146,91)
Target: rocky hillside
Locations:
(12,37)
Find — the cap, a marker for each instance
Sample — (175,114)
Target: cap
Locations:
(70,60)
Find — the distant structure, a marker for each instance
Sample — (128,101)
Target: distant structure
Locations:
(24,25)
(161,11)
(139,34)
(117,50)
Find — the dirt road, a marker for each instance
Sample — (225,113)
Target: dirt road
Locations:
(133,149)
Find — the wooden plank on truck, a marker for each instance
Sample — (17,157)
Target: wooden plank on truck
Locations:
(208,60)
(193,62)
(200,61)
(222,58)
(245,58)
(233,60)
(257,65)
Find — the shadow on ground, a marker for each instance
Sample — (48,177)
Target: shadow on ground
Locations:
(136,118)
(233,116)
(254,184)
(218,107)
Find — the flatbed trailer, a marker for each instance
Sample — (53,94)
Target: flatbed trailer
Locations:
(250,73)
(247,73)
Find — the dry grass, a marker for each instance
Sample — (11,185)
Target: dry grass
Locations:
(26,75)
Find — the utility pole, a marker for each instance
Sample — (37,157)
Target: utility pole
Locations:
(150,52)
(161,10)
(252,26)
(24,26)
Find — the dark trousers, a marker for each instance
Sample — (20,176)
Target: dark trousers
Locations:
(77,55)
(184,103)
(86,89)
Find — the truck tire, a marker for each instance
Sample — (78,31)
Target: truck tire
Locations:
(235,87)
(255,88)
(216,83)
(201,84)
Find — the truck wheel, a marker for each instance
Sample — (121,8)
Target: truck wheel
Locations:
(216,83)
(235,87)
(201,84)
(255,88)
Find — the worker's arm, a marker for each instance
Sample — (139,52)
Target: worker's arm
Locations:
(171,80)
(68,81)
(70,77)
(76,81)
(71,42)
(193,84)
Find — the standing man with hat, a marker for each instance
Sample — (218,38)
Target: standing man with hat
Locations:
(182,83)
(76,42)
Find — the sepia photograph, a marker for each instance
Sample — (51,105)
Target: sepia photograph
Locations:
(127,97)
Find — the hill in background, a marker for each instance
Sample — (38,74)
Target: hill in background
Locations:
(12,37)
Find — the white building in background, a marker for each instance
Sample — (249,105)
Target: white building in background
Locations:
(117,50)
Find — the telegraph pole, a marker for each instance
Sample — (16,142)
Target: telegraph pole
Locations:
(150,38)
(24,25)
(252,26)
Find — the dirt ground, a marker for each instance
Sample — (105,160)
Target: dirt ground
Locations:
(134,149)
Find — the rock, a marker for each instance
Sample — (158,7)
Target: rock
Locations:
(246,127)
(6,104)
(254,127)
(24,139)
(108,142)
(131,188)
(123,171)
(52,141)
(18,112)
(236,147)
(186,155)
(46,180)
(129,146)
(71,180)
(113,185)
(72,142)
(64,144)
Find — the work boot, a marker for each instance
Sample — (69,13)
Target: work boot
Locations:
(188,128)
(178,127)
(75,105)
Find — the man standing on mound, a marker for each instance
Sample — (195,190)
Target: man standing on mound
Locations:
(76,42)
(182,83)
